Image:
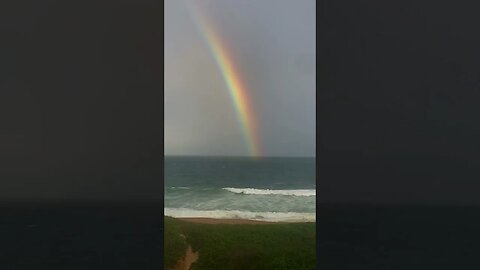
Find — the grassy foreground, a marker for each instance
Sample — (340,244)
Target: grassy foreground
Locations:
(242,246)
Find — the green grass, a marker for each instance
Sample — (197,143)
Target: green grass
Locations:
(244,246)
(175,245)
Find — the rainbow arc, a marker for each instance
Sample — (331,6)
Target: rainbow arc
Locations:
(236,87)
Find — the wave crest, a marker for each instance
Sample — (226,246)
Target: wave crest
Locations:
(287,192)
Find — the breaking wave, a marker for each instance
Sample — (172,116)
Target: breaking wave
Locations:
(287,192)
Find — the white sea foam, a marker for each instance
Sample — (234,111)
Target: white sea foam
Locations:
(288,192)
(235,214)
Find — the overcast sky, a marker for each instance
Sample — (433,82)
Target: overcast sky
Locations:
(273,42)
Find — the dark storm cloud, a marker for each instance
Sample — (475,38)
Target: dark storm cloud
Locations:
(273,44)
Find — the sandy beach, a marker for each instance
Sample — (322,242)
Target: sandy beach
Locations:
(235,221)
(224,221)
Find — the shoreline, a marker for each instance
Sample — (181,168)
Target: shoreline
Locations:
(203,220)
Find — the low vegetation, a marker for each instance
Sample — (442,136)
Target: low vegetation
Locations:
(175,245)
(242,246)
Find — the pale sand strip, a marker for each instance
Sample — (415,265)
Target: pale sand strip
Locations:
(231,221)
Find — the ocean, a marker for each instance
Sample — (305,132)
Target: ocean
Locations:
(269,189)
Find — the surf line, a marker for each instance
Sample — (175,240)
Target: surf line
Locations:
(233,81)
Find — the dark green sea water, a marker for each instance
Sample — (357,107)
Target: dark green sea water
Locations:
(240,187)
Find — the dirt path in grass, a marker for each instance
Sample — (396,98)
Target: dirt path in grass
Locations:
(186,263)
(190,257)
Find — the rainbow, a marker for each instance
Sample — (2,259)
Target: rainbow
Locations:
(237,89)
